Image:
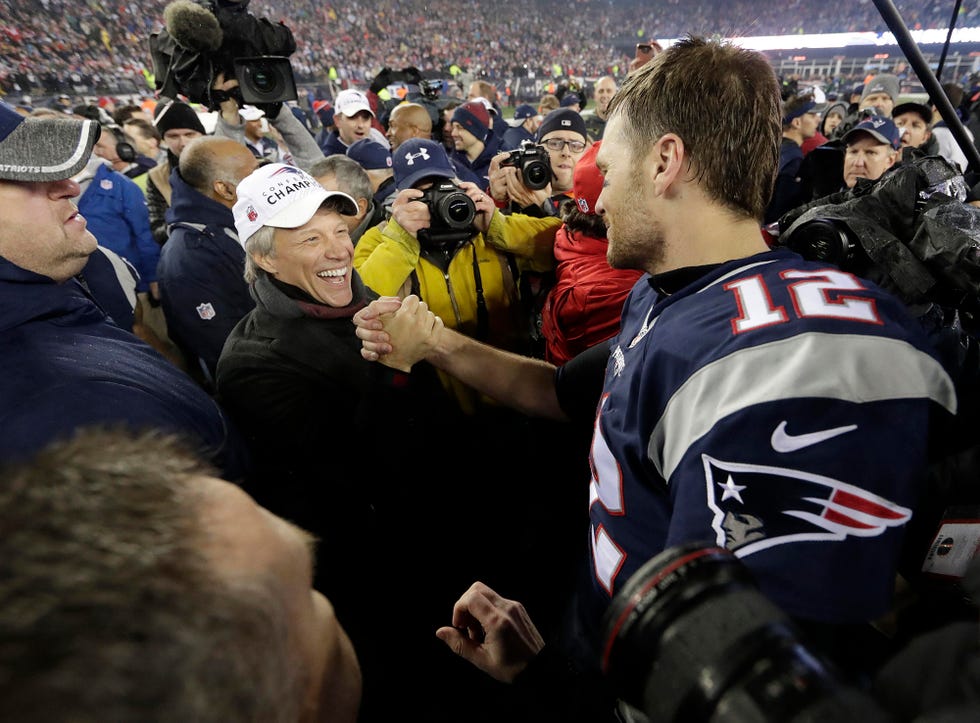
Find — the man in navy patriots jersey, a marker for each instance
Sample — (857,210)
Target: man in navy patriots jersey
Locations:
(753,400)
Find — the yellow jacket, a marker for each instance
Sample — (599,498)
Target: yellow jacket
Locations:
(391,262)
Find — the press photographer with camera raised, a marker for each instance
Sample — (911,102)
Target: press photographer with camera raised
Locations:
(538,190)
(300,148)
(447,243)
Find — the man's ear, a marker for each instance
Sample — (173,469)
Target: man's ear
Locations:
(265,262)
(225,190)
(362,207)
(666,162)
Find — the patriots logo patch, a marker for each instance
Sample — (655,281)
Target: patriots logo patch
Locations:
(757,507)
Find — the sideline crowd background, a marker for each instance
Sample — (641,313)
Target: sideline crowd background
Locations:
(51,46)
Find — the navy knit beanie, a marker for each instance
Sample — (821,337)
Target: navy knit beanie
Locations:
(473,116)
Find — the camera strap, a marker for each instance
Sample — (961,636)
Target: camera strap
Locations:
(482,314)
(442,257)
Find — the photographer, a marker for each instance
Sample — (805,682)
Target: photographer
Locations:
(562,135)
(458,265)
(872,147)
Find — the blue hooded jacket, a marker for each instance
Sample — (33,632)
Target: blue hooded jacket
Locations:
(115,209)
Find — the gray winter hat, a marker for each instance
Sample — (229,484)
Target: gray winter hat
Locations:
(884,83)
(40,150)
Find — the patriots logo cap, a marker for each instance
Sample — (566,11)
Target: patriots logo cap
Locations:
(587,180)
(40,150)
(878,127)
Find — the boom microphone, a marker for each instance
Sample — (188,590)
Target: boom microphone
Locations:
(193,27)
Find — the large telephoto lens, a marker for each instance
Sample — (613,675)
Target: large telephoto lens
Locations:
(690,638)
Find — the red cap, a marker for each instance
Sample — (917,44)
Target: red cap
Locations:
(318,105)
(587,181)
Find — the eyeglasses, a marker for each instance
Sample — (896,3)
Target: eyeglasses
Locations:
(557,144)
(644,47)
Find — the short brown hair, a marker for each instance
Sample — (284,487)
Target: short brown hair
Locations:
(724,103)
(791,107)
(110,606)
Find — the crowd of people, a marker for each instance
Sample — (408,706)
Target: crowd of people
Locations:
(397,386)
(52,45)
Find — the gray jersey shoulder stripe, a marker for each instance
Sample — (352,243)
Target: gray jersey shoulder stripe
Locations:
(854,368)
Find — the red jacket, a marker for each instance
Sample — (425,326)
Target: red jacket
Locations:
(584,306)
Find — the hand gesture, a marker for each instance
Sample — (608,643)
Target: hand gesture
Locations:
(492,632)
(409,212)
(485,207)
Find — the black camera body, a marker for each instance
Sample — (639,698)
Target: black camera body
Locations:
(534,163)
(430,88)
(909,232)
(451,213)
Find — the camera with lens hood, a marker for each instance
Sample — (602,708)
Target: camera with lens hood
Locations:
(909,231)
(691,638)
(534,164)
(451,214)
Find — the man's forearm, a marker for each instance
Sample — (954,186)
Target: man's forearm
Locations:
(520,382)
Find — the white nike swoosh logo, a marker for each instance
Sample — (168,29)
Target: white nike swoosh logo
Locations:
(783,442)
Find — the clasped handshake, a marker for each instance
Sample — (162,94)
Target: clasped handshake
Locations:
(398,332)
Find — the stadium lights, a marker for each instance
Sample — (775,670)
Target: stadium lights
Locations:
(846,40)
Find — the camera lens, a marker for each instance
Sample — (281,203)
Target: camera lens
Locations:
(263,81)
(690,637)
(537,175)
(823,240)
(457,210)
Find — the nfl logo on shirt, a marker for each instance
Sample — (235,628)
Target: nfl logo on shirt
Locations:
(206,311)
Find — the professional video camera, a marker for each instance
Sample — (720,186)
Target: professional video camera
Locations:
(207,38)
(430,88)
(534,164)
(451,212)
(691,638)
(909,232)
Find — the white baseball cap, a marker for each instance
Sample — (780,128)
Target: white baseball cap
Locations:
(281,196)
(250,112)
(351,102)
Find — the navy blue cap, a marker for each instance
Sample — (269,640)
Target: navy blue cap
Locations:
(570,99)
(419,158)
(880,128)
(525,111)
(370,154)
